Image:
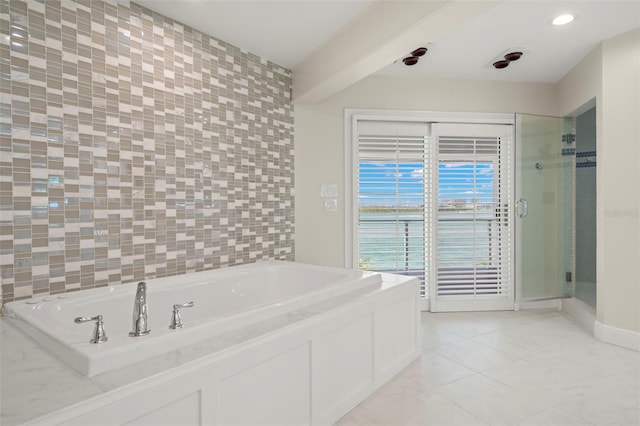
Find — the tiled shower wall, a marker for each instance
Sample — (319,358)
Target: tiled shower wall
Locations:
(135,147)
(585,196)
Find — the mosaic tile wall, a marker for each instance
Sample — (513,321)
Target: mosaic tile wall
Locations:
(585,195)
(134,147)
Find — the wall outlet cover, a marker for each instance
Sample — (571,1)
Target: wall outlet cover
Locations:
(331,205)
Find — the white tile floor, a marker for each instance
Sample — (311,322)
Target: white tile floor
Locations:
(533,368)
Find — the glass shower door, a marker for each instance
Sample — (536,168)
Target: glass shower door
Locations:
(544,206)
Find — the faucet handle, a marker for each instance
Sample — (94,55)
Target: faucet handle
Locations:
(184,305)
(99,335)
(176,318)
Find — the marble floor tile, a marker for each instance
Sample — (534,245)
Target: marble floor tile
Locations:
(473,355)
(603,401)
(552,332)
(530,378)
(490,401)
(553,417)
(514,346)
(466,328)
(587,355)
(432,338)
(526,368)
(432,370)
(425,409)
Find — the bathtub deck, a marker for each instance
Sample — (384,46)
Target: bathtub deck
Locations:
(34,383)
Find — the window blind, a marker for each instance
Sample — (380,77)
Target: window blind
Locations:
(434,206)
(473,231)
(390,184)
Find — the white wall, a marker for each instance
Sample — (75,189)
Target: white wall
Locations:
(582,84)
(319,141)
(610,74)
(619,182)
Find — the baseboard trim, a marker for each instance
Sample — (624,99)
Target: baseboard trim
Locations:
(425,305)
(581,313)
(585,316)
(617,336)
(539,304)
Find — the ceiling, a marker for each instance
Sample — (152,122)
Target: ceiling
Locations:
(549,51)
(288,32)
(283,31)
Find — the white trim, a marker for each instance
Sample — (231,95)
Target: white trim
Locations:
(476,130)
(349,208)
(424,304)
(430,116)
(352,115)
(617,336)
(350,135)
(517,225)
(538,304)
(583,314)
(458,304)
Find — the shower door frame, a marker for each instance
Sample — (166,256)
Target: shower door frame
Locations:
(550,297)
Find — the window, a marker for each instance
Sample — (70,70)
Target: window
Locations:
(430,200)
(473,236)
(391,204)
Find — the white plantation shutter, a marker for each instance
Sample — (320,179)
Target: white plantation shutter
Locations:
(390,171)
(431,200)
(472,224)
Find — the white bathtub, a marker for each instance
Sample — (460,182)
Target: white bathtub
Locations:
(225,299)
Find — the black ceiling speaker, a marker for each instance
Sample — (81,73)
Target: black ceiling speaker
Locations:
(500,64)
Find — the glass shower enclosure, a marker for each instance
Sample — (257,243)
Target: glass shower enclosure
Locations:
(544,208)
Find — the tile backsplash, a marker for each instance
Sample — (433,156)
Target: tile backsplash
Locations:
(133,146)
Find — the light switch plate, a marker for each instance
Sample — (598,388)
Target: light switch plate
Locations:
(329,190)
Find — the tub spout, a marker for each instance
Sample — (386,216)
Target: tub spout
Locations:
(140,311)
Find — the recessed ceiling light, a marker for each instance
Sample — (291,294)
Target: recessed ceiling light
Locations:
(410,60)
(420,51)
(562,19)
(513,56)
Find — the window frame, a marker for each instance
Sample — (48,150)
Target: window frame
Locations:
(351,119)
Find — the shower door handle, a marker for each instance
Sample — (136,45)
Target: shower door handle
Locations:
(522,207)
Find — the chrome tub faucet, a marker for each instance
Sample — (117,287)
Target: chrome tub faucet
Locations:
(140,311)
(98,336)
(176,318)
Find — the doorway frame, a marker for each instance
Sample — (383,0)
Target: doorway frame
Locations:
(554,302)
(351,115)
